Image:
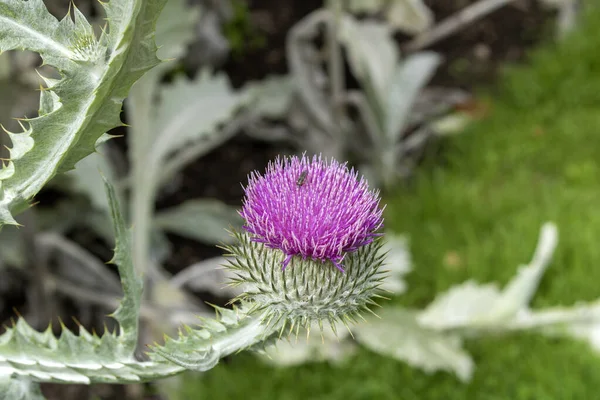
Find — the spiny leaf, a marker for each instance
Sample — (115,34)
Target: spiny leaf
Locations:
(84,358)
(201,349)
(128,312)
(78,109)
(87,358)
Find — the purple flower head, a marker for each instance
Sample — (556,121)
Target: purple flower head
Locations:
(314,208)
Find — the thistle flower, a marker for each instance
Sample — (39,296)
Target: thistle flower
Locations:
(309,249)
(314,209)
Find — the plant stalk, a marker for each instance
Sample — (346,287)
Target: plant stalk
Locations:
(336,65)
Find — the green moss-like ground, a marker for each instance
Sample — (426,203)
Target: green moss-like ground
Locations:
(535,159)
(517,368)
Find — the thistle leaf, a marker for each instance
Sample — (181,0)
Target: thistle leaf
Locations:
(86,358)
(398,334)
(200,219)
(374,66)
(190,111)
(398,263)
(472,305)
(127,314)
(409,16)
(201,349)
(409,78)
(75,111)
(175,29)
(271,97)
(317,345)
(182,126)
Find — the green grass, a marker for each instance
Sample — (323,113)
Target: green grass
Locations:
(527,367)
(535,159)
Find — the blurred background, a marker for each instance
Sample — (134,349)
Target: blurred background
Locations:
(477,119)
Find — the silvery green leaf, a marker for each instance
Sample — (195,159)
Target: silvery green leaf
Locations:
(435,101)
(75,111)
(205,220)
(201,348)
(77,264)
(81,358)
(161,247)
(364,6)
(568,12)
(391,87)
(451,124)
(398,263)
(461,306)
(86,358)
(373,66)
(580,318)
(272,97)
(20,389)
(408,79)
(317,347)
(398,334)
(175,29)
(410,16)
(581,321)
(520,290)
(208,275)
(190,111)
(472,305)
(127,314)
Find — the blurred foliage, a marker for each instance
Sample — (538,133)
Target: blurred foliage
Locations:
(475,214)
(240,31)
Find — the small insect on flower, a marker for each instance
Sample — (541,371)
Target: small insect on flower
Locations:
(333,216)
(302,178)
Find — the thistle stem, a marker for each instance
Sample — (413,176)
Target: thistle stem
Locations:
(141,205)
(336,67)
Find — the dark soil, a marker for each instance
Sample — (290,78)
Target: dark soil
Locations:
(476,55)
(473,57)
